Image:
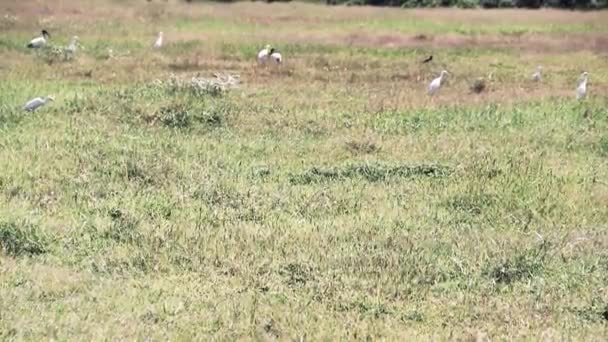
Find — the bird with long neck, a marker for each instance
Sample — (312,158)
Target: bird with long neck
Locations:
(159,41)
(436,83)
(71,49)
(581,90)
(36,103)
(538,75)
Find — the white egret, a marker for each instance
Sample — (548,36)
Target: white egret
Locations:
(276,56)
(538,75)
(436,83)
(264,54)
(36,103)
(159,41)
(71,49)
(581,90)
(39,42)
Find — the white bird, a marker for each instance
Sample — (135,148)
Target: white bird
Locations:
(436,83)
(39,42)
(71,49)
(581,90)
(264,54)
(276,56)
(36,103)
(159,41)
(538,75)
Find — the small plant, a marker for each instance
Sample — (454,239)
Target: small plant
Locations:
(296,274)
(523,265)
(366,147)
(478,86)
(175,116)
(372,172)
(52,54)
(137,173)
(603,145)
(413,316)
(200,86)
(212,117)
(472,204)
(22,238)
(123,229)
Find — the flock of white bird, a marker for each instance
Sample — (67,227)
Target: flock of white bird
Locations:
(581,89)
(267,55)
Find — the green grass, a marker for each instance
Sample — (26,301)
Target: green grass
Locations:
(326,199)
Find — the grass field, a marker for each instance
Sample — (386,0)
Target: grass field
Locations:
(326,199)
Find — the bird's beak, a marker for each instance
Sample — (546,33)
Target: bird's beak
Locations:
(52,98)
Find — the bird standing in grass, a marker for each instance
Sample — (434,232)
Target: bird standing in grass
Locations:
(70,50)
(159,41)
(264,54)
(276,56)
(39,42)
(581,90)
(436,83)
(538,75)
(36,103)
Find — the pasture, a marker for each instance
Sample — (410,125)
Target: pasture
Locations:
(328,198)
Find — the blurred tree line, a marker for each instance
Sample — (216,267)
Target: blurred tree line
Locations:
(566,4)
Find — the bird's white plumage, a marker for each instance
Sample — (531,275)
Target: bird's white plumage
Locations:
(436,83)
(264,55)
(71,49)
(276,57)
(36,103)
(581,90)
(39,42)
(538,75)
(159,41)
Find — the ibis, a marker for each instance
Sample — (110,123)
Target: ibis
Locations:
(39,42)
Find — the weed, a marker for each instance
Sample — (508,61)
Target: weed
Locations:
(603,145)
(124,228)
(372,172)
(296,274)
(175,116)
(414,316)
(366,147)
(521,266)
(472,204)
(478,86)
(19,238)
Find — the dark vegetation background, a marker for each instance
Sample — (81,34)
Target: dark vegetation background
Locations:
(566,4)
